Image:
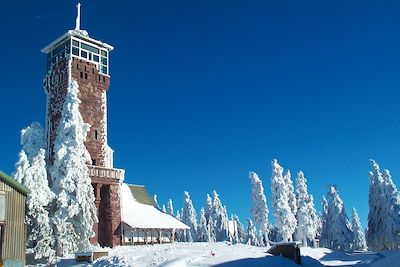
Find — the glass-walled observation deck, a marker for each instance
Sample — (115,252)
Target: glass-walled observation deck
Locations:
(79,48)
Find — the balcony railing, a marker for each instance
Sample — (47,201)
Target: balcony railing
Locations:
(102,172)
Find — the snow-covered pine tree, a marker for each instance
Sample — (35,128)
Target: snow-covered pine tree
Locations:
(340,234)
(219,218)
(164,209)
(291,195)
(31,172)
(323,238)
(259,210)
(32,139)
(75,210)
(241,234)
(377,216)
(155,200)
(392,196)
(21,168)
(208,210)
(285,221)
(306,214)
(358,237)
(202,229)
(170,207)
(252,234)
(189,217)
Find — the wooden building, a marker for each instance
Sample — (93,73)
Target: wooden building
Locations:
(142,221)
(12,222)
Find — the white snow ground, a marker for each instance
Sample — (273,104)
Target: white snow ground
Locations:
(199,254)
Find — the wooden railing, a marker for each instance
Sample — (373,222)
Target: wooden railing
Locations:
(102,172)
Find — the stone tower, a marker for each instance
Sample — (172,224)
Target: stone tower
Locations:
(76,56)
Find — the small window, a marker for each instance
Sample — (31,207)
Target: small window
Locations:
(104,53)
(81,74)
(96,58)
(104,69)
(96,135)
(104,60)
(104,79)
(84,54)
(86,76)
(93,162)
(75,51)
(90,56)
(75,43)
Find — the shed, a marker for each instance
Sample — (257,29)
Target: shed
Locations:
(12,221)
(142,221)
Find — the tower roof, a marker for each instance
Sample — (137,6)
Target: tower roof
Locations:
(77,32)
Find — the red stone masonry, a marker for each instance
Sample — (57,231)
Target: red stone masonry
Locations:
(92,87)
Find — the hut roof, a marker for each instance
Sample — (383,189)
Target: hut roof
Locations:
(14,184)
(145,216)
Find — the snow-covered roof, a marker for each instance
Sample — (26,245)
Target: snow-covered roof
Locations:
(82,34)
(143,216)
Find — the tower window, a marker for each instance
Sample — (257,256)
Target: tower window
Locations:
(75,51)
(81,75)
(96,135)
(93,162)
(86,76)
(84,54)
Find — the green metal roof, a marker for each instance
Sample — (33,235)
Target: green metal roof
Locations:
(141,195)
(13,183)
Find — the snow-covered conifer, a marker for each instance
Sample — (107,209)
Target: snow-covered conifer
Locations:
(170,207)
(338,225)
(219,218)
(208,210)
(189,217)
(377,216)
(31,172)
(306,214)
(259,210)
(155,200)
(291,195)
(241,234)
(75,210)
(164,209)
(203,234)
(358,237)
(392,227)
(32,139)
(251,234)
(285,221)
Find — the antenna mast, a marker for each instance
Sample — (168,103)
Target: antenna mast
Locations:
(78,17)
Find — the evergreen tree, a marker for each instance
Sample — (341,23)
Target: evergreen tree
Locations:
(219,218)
(306,214)
(170,207)
(339,231)
(33,175)
(285,221)
(291,195)
(202,232)
(208,213)
(323,238)
(164,209)
(392,200)
(358,237)
(259,209)
(75,210)
(241,234)
(251,234)
(189,218)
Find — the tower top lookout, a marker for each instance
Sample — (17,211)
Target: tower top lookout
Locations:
(77,43)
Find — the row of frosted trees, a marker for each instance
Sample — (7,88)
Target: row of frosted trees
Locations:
(293,211)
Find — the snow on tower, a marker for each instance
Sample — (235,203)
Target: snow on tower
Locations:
(76,56)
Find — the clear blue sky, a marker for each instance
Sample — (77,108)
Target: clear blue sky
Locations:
(202,92)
